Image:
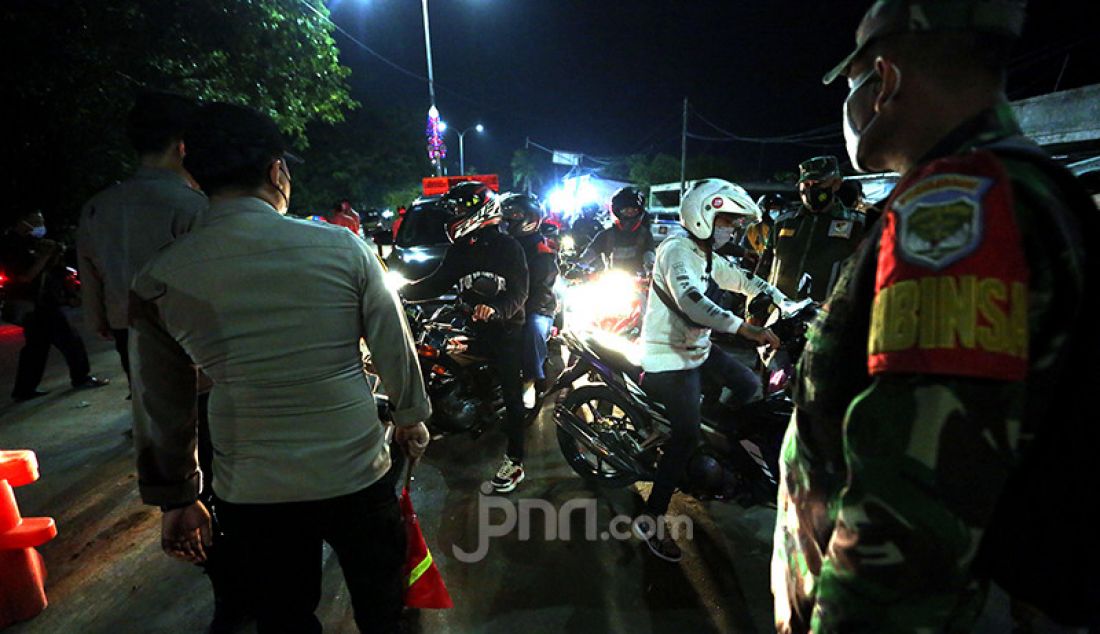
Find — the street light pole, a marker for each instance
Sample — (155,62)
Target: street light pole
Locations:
(428,51)
(437,161)
(462,148)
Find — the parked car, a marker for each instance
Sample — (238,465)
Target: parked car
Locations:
(421,239)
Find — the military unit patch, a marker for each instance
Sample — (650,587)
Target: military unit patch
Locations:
(940,219)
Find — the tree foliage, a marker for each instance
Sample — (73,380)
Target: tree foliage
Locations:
(529,170)
(74,67)
(367,158)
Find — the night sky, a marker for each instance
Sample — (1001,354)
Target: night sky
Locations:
(607,77)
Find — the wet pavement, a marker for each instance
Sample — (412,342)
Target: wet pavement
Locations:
(107,573)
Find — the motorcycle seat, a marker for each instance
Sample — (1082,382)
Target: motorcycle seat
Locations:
(615,359)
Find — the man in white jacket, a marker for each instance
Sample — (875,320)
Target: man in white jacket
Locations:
(676,333)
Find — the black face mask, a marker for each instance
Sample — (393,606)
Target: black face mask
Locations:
(818,198)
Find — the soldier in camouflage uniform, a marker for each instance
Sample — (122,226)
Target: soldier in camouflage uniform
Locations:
(816,238)
(930,377)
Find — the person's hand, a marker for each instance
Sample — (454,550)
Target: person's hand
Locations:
(483,312)
(105,333)
(184,532)
(762,336)
(413,439)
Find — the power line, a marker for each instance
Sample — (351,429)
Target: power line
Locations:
(821,133)
(381,57)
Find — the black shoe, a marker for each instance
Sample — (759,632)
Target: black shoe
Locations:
(19,398)
(90,383)
(229,617)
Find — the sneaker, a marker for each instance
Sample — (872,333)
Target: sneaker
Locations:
(659,542)
(508,476)
(91,382)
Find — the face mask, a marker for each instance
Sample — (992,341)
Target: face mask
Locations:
(38,232)
(853,135)
(722,236)
(818,198)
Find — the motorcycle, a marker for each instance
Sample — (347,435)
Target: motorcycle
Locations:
(612,433)
(463,386)
(610,301)
(461,381)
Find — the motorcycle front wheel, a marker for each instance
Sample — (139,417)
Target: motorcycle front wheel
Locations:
(607,416)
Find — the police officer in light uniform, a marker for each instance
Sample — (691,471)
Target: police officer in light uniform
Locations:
(931,451)
(817,237)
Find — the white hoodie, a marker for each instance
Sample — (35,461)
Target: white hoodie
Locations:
(670,343)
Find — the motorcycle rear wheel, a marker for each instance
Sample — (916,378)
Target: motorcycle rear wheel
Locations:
(599,407)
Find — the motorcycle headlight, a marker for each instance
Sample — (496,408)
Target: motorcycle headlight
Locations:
(395,281)
(612,294)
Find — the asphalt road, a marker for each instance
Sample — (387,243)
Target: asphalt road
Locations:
(107,573)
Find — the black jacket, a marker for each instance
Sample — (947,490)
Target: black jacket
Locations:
(542,266)
(627,250)
(489,268)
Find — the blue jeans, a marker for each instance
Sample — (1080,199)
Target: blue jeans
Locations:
(679,391)
(535,333)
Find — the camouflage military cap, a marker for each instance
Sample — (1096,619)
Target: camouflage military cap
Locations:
(889,17)
(818,168)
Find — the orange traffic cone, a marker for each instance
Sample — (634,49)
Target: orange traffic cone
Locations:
(22,571)
(425,588)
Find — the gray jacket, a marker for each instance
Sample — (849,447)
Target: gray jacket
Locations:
(272,309)
(120,229)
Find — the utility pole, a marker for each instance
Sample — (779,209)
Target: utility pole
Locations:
(684,151)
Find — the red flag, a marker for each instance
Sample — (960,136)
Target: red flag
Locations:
(424,584)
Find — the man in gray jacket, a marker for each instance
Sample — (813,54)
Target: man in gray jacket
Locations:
(272,309)
(122,226)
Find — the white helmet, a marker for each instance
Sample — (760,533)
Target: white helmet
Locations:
(708,198)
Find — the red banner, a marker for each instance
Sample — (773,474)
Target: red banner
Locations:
(440,184)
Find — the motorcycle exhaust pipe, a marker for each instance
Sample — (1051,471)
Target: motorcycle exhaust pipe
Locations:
(586,437)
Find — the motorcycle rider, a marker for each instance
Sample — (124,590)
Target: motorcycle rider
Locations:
(490,270)
(676,334)
(628,244)
(586,227)
(524,214)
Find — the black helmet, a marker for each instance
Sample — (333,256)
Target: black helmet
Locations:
(522,212)
(850,193)
(471,205)
(628,198)
(771,201)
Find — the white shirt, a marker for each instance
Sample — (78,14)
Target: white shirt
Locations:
(669,342)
